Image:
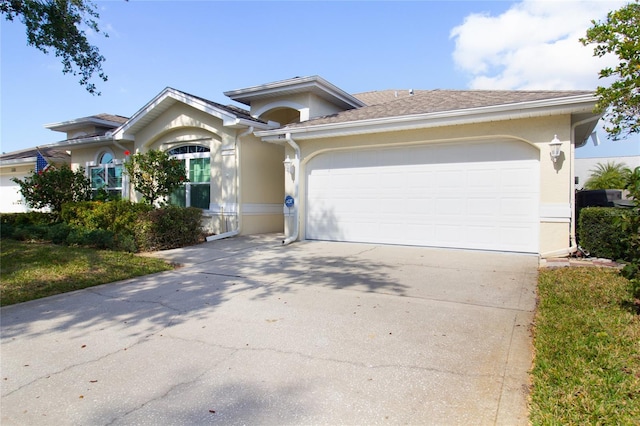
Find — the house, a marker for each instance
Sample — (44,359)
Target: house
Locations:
(488,170)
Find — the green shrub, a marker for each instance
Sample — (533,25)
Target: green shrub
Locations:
(118,217)
(58,233)
(28,218)
(169,227)
(600,234)
(6,230)
(98,238)
(55,186)
(30,233)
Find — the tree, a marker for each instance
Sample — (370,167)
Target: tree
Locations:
(619,34)
(154,174)
(54,187)
(611,175)
(56,25)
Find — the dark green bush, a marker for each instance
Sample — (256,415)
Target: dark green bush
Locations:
(121,225)
(27,226)
(169,227)
(119,217)
(30,232)
(98,238)
(29,218)
(600,234)
(58,233)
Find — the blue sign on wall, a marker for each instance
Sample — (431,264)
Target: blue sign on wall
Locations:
(288,201)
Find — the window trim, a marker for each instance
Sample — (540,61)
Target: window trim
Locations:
(202,151)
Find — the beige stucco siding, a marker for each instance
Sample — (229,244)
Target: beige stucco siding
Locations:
(87,156)
(181,116)
(555,178)
(262,193)
(308,104)
(259,165)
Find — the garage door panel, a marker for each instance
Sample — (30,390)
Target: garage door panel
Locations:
(448,196)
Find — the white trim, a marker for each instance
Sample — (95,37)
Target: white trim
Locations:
(224,208)
(314,84)
(70,124)
(278,104)
(261,209)
(555,212)
(165,100)
(249,209)
(289,211)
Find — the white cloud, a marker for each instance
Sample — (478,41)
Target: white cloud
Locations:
(533,45)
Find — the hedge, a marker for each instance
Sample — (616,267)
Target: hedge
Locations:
(120,225)
(120,218)
(169,227)
(600,235)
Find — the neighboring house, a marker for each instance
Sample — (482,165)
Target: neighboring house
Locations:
(442,168)
(586,166)
(20,164)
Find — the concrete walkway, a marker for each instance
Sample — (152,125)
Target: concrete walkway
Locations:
(250,332)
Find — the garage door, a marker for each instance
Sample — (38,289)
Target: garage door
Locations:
(480,195)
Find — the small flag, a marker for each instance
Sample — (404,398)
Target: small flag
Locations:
(41,164)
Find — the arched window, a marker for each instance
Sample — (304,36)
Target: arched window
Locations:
(106,176)
(197,162)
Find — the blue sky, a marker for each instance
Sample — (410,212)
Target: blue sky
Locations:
(208,47)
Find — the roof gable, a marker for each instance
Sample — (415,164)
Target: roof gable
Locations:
(231,116)
(284,88)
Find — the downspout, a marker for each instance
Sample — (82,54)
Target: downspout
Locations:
(573,244)
(238,191)
(296,179)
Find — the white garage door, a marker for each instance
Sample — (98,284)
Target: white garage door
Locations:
(480,195)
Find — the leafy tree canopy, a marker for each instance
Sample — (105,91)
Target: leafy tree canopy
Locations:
(154,174)
(56,25)
(620,35)
(611,175)
(54,187)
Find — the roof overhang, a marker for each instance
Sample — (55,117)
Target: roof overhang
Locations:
(65,126)
(165,100)
(580,104)
(313,84)
(81,142)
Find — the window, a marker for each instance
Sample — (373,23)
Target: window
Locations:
(107,176)
(196,192)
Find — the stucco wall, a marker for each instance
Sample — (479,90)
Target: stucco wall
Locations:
(84,157)
(261,168)
(308,104)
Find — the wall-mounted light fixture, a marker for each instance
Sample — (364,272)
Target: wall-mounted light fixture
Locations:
(289,167)
(555,146)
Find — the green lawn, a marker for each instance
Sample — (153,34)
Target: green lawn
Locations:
(587,349)
(33,270)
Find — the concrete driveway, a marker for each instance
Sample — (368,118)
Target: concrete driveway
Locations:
(250,332)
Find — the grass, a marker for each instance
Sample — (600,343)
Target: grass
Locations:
(587,349)
(30,271)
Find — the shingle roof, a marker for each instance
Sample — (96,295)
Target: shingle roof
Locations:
(51,154)
(382,96)
(432,101)
(237,111)
(111,117)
